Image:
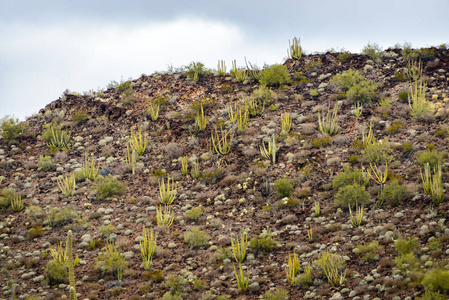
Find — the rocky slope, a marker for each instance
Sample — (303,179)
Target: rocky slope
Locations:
(238,190)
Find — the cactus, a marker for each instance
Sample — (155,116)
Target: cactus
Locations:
(71,266)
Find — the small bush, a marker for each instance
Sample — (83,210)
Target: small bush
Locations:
(431,295)
(350,195)
(362,92)
(264,95)
(264,243)
(347,79)
(403,96)
(283,187)
(393,128)
(350,176)
(277,294)
(368,251)
(110,186)
(321,142)
(196,238)
(406,246)
(45,163)
(437,281)
(194,213)
(374,51)
(393,193)
(431,157)
(378,152)
(196,70)
(111,260)
(61,217)
(79,117)
(275,76)
(344,56)
(12,129)
(56,272)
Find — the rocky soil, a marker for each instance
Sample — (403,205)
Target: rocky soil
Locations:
(234,191)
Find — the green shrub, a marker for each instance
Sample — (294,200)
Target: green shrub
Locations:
(368,251)
(352,195)
(264,243)
(393,128)
(62,217)
(431,295)
(175,283)
(374,51)
(45,163)
(350,176)
(264,95)
(378,152)
(321,142)
(110,186)
(7,196)
(196,238)
(277,294)
(276,75)
(437,281)
(194,213)
(403,96)
(362,92)
(283,187)
(56,272)
(427,53)
(111,259)
(393,193)
(344,56)
(431,157)
(347,79)
(406,246)
(12,129)
(196,70)
(79,117)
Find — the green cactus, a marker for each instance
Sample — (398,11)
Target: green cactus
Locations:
(71,266)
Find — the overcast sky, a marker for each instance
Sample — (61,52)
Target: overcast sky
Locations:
(48,46)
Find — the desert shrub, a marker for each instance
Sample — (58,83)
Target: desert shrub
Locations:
(350,176)
(45,163)
(79,117)
(321,142)
(212,175)
(110,186)
(427,53)
(196,238)
(264,95)
(406,246)
(175,283)
(437,281)
(283,187)
(403,96)
(6,198)
(128,96)
(56,272)
(347,79)
(196,70)
(57,217)
(362,92)
(107,230)
(393,193)
(432,295)
(264,243)
(12,129)
(378,151)
(368,251)
(350,195)
(194,213)
(111,259)
(393,128)
(374,51)
(431,157)
(276,75)
(277,294)
(344,56)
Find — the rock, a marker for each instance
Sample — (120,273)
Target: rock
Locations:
(254,287)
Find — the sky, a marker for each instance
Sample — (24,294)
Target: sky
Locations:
(48,46)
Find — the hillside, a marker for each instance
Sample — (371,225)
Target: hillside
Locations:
(356,145)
